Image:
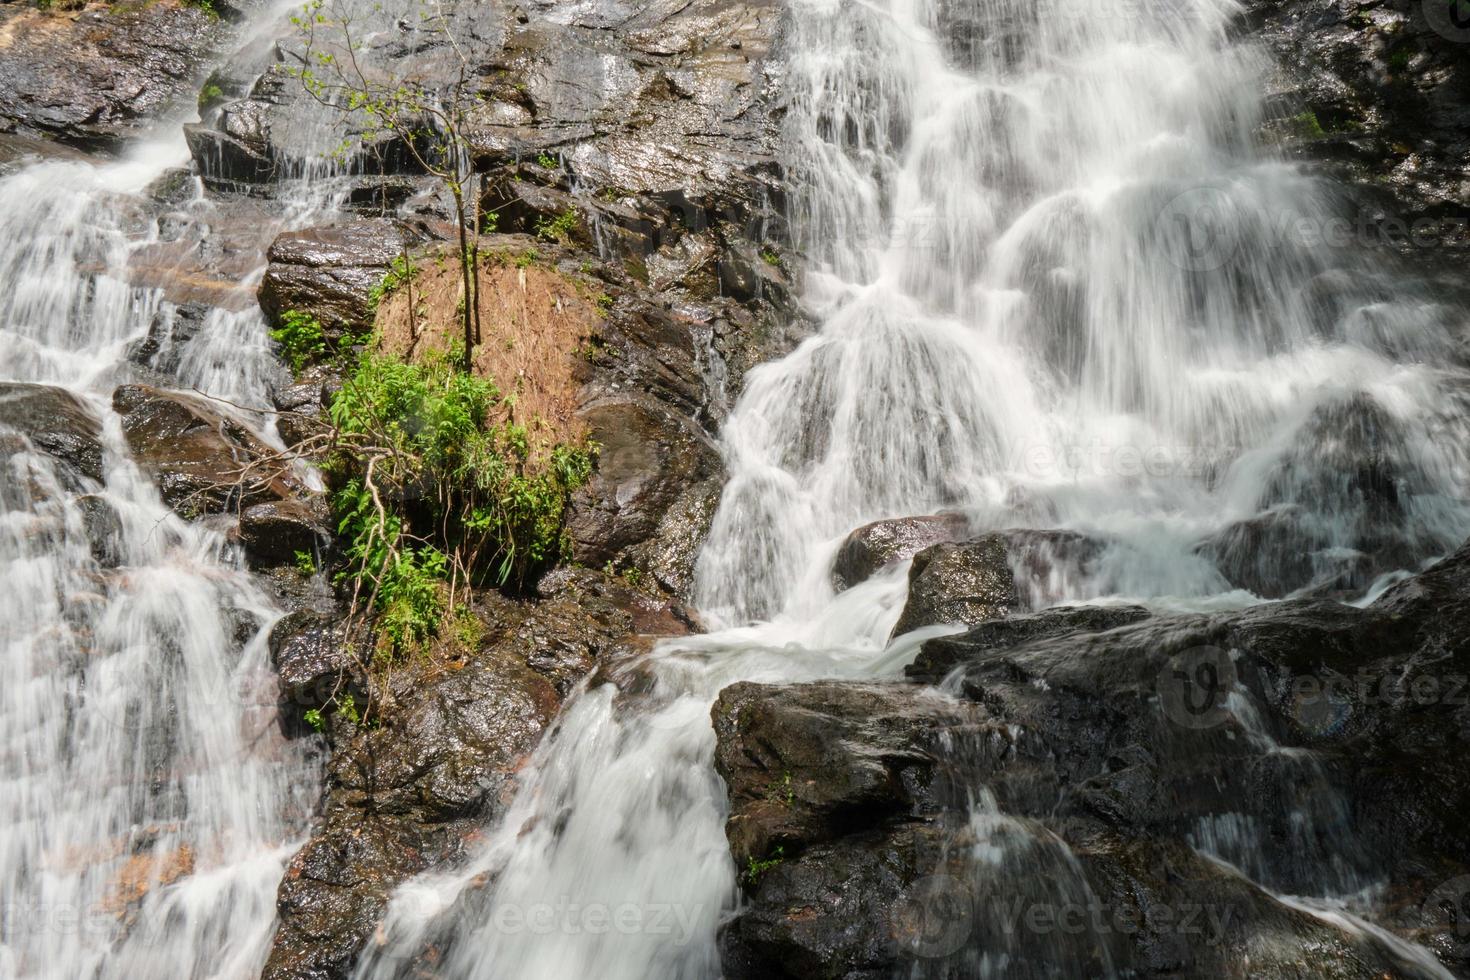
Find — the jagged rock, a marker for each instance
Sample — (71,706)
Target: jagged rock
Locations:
(198,457)
(275,531)
(1303,742)
(98,78)
(959,583)
(406,792)
(881,543)
(803,762)
(330,272)
(57,423)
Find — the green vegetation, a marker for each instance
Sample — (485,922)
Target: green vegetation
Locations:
(210,96)
(301,337)
(771,257)
(305,564)
(399,274)
(546,161)
(1306,124)
(756,870)
(433,495)
(560,228)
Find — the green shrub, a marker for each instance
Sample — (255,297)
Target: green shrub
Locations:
(431,488)
(560,228)
(301,337)
(210,96)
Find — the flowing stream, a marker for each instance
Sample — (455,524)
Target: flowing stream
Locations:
(1063,283)
(149,800)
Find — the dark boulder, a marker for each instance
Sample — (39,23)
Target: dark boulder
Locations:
(331,272)
(881,543)
(803,762)
(202,460)
(57,423)
(959,583)
(276,531)
(1310,744)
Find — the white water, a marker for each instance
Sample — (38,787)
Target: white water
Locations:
(149,803)
(1061,285)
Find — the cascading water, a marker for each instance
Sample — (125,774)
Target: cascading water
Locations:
(150,801)
(1061,285)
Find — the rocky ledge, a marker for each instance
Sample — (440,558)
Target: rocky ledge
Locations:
(1172,777)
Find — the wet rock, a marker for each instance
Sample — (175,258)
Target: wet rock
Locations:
(959,583)
(804,761)
(98,78)
(314,656)
(936,660)
(57,423)
(104,530)
(275,531)
(649,455)
(330,272)
(1310,744)
(873,546)
(200,459)
(168,334)
(439,757)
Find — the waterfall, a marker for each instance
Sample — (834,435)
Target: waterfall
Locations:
(1061,282)
(150,801)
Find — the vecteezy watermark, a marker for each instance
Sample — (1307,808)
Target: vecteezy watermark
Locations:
(1449,904)
(1203,226)
(1450,19)
(941,914)
(1207,922)
(1324,705)
(935,918)
(566,917)
(1194,686)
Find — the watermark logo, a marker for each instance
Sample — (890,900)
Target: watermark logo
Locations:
(1194,686)
(1450,19)
(935,918)
(1203,227)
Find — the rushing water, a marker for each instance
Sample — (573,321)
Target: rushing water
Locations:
(149,801)
(1062,283)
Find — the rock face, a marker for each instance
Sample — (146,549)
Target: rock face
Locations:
(662,180)
(57,423)
(200,459)
(1386,84)
(436,758)
(95,78)
(331,272)
(959,583)
(1312,745)
(873,546)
